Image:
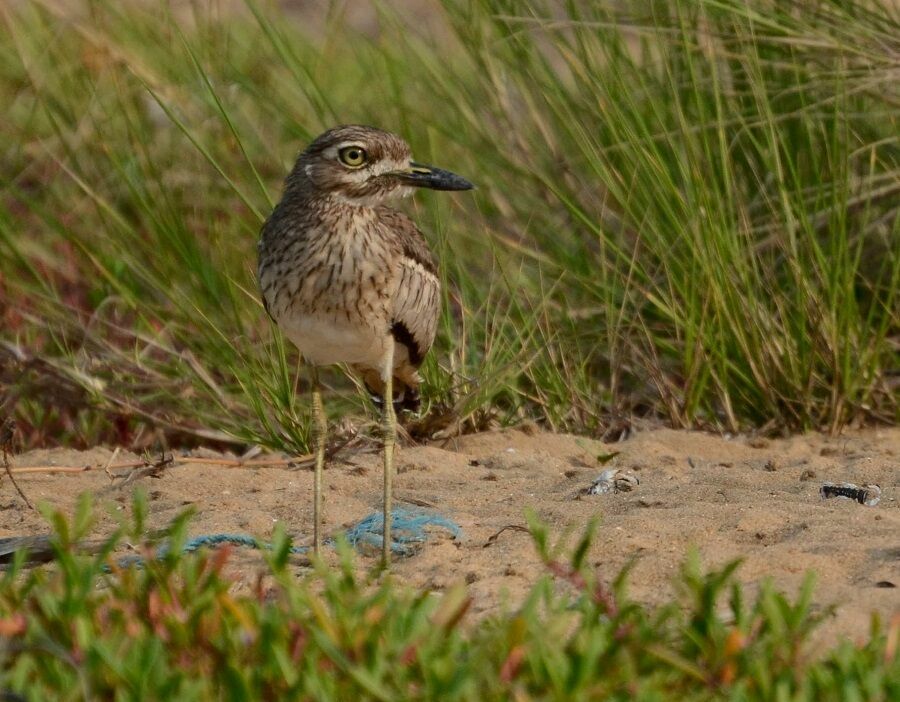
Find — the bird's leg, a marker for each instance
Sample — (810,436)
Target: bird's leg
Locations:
(320,430)
(390,438)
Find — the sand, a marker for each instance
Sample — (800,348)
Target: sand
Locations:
(755,499)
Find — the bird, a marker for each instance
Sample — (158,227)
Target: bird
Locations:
(350,280)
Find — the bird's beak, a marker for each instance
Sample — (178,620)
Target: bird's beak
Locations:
(421,176)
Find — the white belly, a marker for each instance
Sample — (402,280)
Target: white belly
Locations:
(323,341)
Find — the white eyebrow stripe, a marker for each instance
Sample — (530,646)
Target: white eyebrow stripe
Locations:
(357,144)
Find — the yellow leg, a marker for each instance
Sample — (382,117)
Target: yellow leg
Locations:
(390,438)
(319,430)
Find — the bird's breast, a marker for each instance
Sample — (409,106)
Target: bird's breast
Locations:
(330,291)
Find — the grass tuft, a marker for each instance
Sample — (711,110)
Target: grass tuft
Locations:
(686,210)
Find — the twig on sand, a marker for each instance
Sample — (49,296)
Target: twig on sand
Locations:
(51,469)
(111,459)
(78,469)
(153,469)
(493,538)
(6,437)
(238,463)
(108,467)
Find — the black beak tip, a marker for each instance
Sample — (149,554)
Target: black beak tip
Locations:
(445,180)
(460,183)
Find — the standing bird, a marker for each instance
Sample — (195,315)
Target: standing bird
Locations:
(350,280)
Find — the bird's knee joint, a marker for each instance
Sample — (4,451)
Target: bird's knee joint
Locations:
(389,432)
(319,432)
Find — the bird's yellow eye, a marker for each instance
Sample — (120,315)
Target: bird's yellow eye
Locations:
(352,156)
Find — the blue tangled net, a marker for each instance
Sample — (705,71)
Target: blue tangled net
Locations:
(407,533)
(407,529)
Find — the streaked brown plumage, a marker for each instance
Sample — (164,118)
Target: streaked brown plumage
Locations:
(348,279)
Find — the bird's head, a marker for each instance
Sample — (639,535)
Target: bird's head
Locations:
(365,166)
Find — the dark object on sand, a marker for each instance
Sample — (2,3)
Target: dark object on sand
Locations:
(868,495)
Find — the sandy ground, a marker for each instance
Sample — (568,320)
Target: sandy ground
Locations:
(752,498)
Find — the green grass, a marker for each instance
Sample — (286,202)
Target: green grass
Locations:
(178,629)
(685,209)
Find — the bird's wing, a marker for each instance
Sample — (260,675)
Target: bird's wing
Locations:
(416,303)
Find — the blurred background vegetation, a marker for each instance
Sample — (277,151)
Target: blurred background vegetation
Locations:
(686,210)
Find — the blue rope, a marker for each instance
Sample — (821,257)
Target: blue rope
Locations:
(408,531)
(213,540)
